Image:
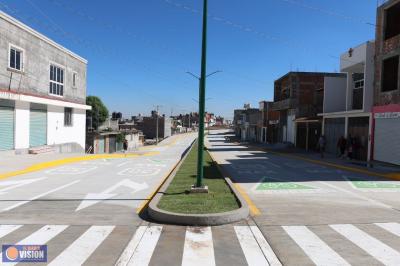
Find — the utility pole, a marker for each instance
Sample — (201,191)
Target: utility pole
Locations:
(202,93)
(157,108)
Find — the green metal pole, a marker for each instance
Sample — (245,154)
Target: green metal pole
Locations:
(202,99)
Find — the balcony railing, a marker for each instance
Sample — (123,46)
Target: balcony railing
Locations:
(284,104)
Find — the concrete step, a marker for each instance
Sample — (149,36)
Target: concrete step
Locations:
(41,150)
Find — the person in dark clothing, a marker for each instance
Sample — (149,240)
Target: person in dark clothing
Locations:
(350,147)
(125,146)
(341,145)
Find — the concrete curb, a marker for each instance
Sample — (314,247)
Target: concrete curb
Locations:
(197,219)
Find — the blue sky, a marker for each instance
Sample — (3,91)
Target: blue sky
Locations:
(139,50)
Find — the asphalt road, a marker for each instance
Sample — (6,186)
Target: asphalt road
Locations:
(311,214)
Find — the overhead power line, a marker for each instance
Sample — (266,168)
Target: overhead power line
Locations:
(328,12)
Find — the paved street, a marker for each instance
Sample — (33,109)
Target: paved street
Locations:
(307,214)
(312,214)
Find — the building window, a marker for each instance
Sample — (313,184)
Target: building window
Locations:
(358,91)
(392,22)
(74,77)
(16,59)
(56,80)
(67,117)
(390,76)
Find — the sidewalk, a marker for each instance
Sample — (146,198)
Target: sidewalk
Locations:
(372,168)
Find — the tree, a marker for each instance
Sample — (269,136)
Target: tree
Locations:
(99,112)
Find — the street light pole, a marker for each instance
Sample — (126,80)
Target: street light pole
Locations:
(202,93)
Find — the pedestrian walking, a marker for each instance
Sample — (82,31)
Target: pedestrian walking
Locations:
(125,146)
(322,144)
(341,145)
(350,147)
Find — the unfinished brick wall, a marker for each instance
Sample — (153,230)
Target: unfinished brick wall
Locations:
(385,49)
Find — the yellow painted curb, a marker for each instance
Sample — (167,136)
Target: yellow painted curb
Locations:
(254,211)
(253,208)
(146,202)
(46,165)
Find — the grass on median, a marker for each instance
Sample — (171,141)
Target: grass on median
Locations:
(219,199)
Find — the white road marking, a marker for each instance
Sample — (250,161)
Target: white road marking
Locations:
(393,228)
(70,170)
(41,236)
(375,202)
(374,247)
(80,250)
(265,247)
(17,183)
(146,246)
(8,228)
(250,247)
(40,195)
(124,163)
(319,252)
(131,247)
(94,198)
(198,248)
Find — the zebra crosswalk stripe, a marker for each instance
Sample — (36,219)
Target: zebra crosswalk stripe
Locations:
(131,247)
(393,228)
(249,245)
(41,236)
(319,252)
(80,250)
(198,248)
(8,228)
(265,247)
(144,251)
(380,251)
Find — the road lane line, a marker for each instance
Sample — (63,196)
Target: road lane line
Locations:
(374,247)
(250,247)
(8,228)
(265,247)
(131,247)
(146,246)
(198,249)
(80,250)
(393,228)
(40,237)
(39,196)
(316,249)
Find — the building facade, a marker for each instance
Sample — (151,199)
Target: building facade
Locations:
(348,102)
(298,97)
(386,109)
(246,123)
(42,90)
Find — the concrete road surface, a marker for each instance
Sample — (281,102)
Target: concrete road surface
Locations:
(311,214)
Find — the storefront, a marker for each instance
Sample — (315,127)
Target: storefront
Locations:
(387,134)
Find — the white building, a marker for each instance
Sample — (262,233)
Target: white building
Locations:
(348,102)
(42,91)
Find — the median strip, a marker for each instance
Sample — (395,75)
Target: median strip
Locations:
(175,204)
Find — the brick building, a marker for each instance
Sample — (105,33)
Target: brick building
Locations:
(298,97)
(387,84)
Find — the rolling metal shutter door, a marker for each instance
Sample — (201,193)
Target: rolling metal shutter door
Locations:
(334,129)
(101,146)
(6,128)
(38,128)
(387,140)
